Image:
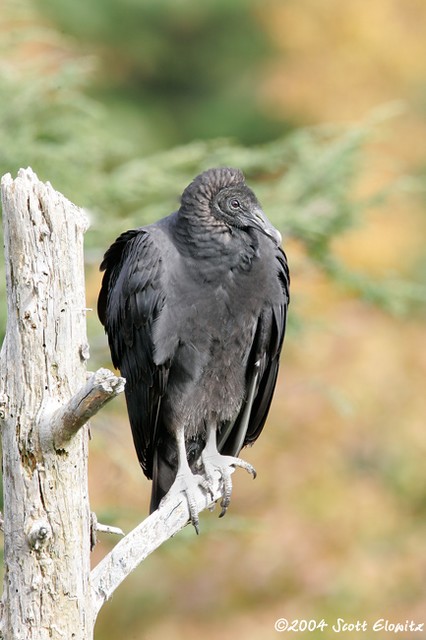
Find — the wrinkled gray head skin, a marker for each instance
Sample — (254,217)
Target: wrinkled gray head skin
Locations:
(207,185)
(222,195)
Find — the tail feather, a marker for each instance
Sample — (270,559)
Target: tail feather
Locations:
(164,469)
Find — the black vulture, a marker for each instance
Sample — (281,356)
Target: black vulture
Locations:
(195,308)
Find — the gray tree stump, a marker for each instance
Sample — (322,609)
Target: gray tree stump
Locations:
(45,402)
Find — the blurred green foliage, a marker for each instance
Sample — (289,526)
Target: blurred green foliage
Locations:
(188,69)
(75,119)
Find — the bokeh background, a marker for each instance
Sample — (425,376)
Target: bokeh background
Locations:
(119,104)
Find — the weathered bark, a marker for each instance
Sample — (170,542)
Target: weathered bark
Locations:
(45,402)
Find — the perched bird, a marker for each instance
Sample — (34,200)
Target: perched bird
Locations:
(195,308)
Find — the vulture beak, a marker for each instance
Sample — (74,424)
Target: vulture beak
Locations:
(261,222)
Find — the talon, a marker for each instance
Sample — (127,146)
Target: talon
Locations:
(187,483)
(225,502)
(225,465)
(237,462)
(195,523)
(224,509)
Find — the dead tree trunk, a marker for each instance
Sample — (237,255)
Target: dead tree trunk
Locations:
(46,511)
(45,402)
(43,364)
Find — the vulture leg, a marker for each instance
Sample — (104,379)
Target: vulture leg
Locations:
(186,482)
(225,465)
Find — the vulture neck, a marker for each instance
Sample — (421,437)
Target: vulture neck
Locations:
(208,239)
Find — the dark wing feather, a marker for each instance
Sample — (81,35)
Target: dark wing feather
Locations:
(130,300)
(262,366)
(271,355)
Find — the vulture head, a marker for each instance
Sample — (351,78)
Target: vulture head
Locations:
(223,194)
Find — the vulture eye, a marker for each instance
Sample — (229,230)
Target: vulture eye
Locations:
(235,204)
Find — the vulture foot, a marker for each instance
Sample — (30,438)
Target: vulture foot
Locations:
(225,465)
(188,483)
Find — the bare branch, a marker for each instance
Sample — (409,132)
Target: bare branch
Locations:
(170,517)
(96,526)
(101,387)
(107,528)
